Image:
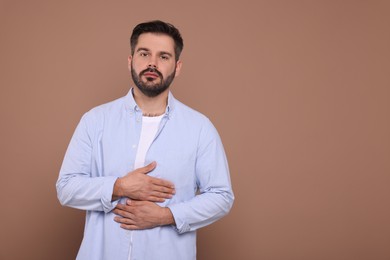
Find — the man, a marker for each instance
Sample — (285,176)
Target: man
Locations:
(136,211)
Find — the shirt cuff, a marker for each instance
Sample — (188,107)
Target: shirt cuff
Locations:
(107,190)
(181,225)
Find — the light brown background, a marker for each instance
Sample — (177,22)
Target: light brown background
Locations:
(299,91)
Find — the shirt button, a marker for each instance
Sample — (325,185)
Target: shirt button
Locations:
(134,146)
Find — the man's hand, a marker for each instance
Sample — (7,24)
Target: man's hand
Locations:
(142,215)
(138,185)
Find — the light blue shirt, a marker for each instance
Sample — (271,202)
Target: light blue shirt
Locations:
(188,152)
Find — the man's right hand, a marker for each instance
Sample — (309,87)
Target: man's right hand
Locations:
(139,186)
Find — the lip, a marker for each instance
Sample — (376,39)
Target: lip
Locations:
(151,74)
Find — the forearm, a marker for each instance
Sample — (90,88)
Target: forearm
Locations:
(202,210)
(86,193)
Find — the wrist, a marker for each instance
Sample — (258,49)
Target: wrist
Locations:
(167,218)
(117,190)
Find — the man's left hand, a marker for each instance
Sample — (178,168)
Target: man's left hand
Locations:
(135,215)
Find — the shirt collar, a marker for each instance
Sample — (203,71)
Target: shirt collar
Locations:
(132,106)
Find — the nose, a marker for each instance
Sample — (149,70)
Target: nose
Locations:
(152,63)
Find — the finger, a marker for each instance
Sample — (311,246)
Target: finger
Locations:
(125,221)
(148,168)
(121,207)
(161,195)
(155,199)
(163,189)
(130,227)
(169,186)
(134,203)
(124,207)
(118,212)
(123,213)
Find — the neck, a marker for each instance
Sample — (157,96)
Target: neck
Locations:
(151,106)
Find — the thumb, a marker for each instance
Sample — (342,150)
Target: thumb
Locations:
(148,168)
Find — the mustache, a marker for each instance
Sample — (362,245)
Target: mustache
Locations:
(153,70)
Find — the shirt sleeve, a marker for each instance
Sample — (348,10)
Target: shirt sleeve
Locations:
(75,186)
(215,197)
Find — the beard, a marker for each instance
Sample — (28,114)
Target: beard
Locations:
(150,88)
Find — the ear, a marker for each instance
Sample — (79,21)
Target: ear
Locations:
(178,67)
(129,62)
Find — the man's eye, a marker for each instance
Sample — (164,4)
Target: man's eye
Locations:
(164,57)
(143,54)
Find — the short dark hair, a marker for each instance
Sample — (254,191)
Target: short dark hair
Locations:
(157,26)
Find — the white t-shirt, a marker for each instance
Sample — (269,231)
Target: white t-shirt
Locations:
(148,132)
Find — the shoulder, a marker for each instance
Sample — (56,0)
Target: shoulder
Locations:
(189,113)
(194,119)
(102,111)
(94,120)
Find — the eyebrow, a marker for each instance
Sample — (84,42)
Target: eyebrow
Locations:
(142,49)
(161,52)
(166,53)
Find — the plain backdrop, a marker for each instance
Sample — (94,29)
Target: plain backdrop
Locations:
(299,91)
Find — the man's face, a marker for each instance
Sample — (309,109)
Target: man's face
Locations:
(153,66)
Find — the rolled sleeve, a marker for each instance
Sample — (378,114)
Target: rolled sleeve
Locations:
(107,191)
(181,225)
